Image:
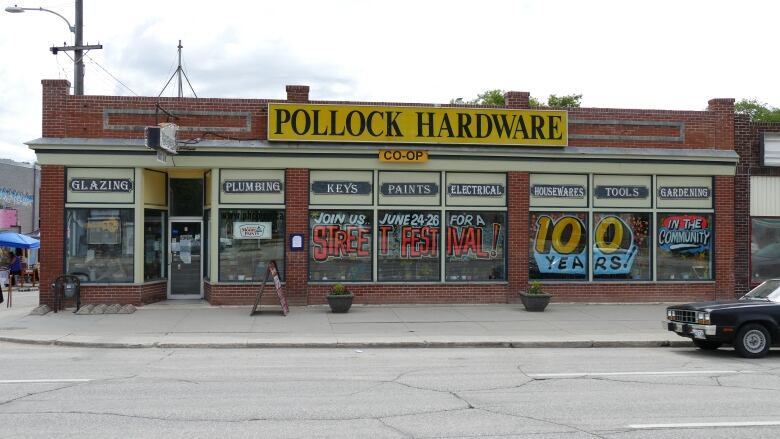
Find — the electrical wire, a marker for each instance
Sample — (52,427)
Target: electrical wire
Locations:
(109,74)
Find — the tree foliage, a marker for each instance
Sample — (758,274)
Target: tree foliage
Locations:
(757,110)
(496,97)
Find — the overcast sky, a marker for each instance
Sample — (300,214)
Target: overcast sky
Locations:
(667,54)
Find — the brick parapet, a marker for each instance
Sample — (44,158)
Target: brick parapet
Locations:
(65,115)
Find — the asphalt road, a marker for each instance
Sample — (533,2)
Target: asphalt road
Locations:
(48,391)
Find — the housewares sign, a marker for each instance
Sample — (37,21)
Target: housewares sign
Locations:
(386,124)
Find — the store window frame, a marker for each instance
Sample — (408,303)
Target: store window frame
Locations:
(163,244)
(756,281)
(124,242)
(654,212)
(355,210)
(257,276)
(711,269)
(442,209)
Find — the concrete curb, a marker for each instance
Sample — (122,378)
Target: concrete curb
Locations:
(360,345)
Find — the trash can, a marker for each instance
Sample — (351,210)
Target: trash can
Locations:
(66,286)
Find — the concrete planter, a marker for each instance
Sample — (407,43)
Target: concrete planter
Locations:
(535,302)
(340,303)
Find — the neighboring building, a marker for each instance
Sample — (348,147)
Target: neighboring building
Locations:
(405,203)
(19,185)
(757,203)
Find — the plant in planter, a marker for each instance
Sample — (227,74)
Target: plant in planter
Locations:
(535,299)
(340,299)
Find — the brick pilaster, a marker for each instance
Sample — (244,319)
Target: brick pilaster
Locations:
(297,221)
(52,228)
(724,237)
(517,244)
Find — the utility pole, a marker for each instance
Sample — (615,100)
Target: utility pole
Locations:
(78,48)
(78,54)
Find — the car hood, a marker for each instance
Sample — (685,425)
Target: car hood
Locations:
(724,304)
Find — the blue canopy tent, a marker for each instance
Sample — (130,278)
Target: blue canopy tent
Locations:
(17,240)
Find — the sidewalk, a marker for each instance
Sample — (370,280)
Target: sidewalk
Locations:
(196,324)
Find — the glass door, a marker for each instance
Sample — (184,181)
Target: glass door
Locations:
(186,273)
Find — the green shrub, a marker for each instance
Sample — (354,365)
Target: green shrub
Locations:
(536,288)
(339,290)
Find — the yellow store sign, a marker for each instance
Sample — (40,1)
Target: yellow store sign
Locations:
(353,123)
(403,155)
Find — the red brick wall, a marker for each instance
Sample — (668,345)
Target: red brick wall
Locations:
(724,237)
(415,293)
(52,208)
(517,243)
(82,117)
(631,292)
(297,221)
(748,138)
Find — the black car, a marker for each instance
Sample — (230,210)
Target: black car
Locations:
(751,323)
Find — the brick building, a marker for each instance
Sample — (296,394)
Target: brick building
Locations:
(404,203)
(757,203)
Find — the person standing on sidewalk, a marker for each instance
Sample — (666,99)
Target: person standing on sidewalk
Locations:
(16,265)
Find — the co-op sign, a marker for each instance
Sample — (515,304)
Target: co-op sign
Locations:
(426,125)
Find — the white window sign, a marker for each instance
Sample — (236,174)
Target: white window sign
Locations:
(251,230)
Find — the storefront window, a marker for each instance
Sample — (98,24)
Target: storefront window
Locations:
(684,245)
(621,246)
(341,245)
(409,244)
(764,248)
(558,245)
(475,246)
(205,248)
(154,244)
(99,244)
(248,240)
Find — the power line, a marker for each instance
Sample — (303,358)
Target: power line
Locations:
(109,74)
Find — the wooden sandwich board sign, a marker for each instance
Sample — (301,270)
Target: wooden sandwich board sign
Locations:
(273,273)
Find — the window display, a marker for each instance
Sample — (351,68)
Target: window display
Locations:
(558,244)
(475,246)
(684,245)
(154,244)
(408,246)
(248,240)
(99,244)
(764,248)
(621,246)
(341,245)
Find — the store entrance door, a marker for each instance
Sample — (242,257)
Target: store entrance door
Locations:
(184,259)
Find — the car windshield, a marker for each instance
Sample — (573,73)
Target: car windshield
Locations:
(769,290)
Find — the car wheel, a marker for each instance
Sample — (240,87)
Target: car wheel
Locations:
(707,345)
(752,341)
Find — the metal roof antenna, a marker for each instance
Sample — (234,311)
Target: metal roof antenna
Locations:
(179,72)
